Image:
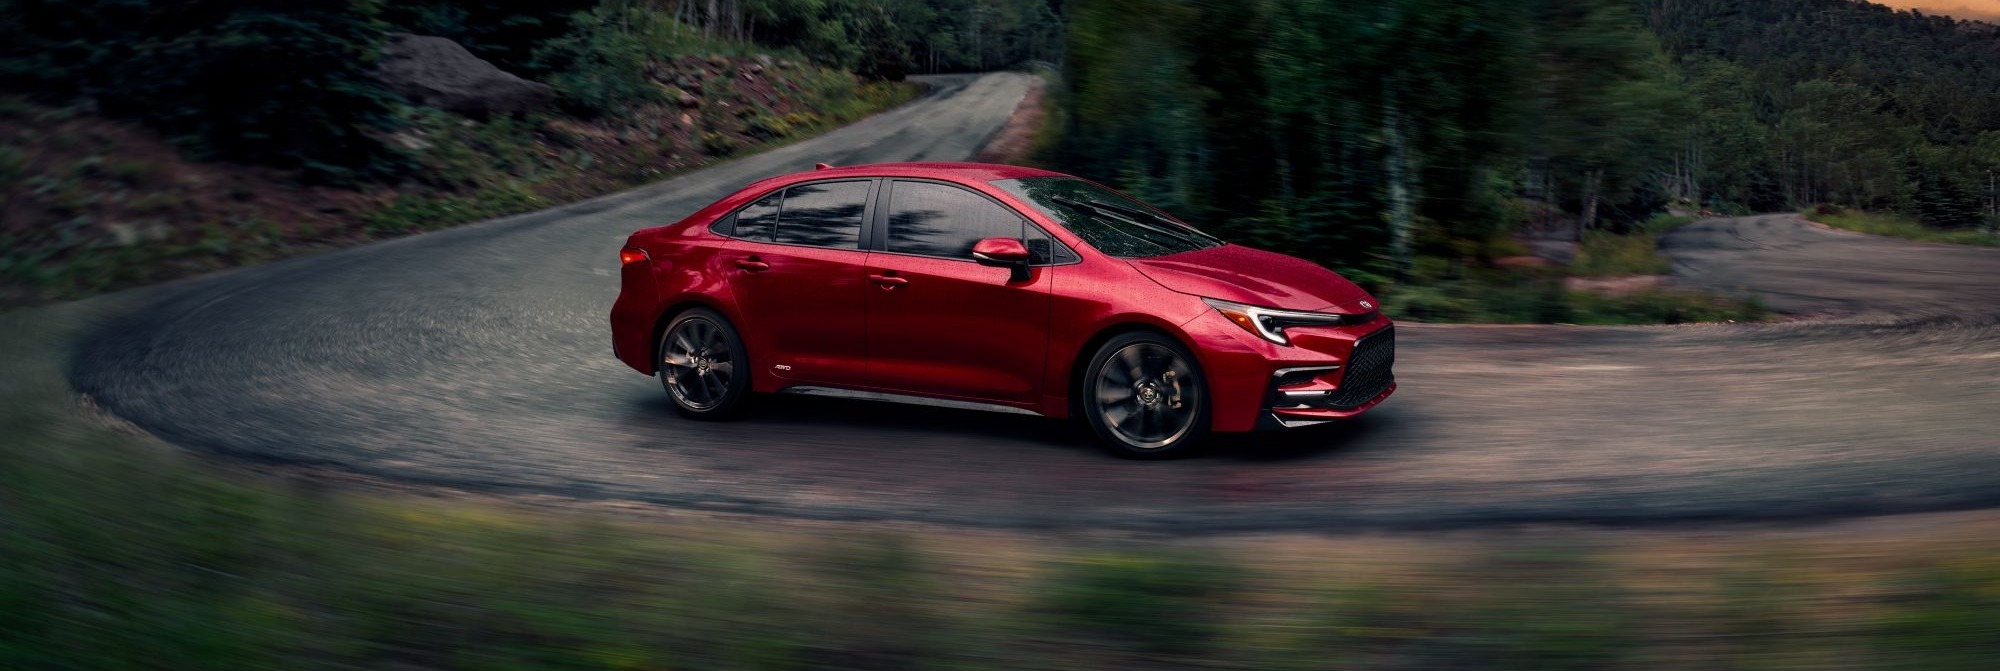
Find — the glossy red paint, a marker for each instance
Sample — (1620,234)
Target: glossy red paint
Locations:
(873,320)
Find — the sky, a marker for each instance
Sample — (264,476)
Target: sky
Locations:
(1984,10)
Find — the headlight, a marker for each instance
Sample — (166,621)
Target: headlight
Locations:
(1270,323)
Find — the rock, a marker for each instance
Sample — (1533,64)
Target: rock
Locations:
(756,69)
(437,72)
(123,235)
(764,60)
(688,100)
(411,140)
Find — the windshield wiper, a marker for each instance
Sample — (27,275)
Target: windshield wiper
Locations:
(1172,229)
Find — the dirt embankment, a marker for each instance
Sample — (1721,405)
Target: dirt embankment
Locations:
(1016,140)
(89,204)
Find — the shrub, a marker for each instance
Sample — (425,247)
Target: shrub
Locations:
(278,83)
(1159,601)
(13,164)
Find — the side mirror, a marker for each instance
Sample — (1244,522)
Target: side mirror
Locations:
(1003,253)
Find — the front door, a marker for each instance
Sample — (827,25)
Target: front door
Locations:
(938,322)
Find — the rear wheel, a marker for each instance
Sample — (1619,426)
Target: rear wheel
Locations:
(1145,397)
(702,365)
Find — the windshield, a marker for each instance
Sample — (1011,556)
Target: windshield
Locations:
(1107,220)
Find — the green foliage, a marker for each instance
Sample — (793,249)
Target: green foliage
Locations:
(412,213)
(883,39)
(601,65)
(1160,601)
(1950,620)
(281,83)
(1662,306)
(1304,125)
(1528,297)
(1358,134)
(1812,101)
(1898,226)
(13,165)
(1606,254)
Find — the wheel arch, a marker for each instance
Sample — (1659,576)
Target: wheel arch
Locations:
(1080,360)
(674,309)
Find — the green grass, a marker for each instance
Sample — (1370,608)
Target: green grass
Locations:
(1501,296)
(1438,292)
(1607,254)
(119,553)
(1898,226)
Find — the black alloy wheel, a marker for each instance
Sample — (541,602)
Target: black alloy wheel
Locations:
(702,365)
(1144,396)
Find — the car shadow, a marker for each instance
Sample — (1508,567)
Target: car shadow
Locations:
(823,418)
(1312,442)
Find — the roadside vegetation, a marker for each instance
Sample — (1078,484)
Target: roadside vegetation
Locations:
(1383,138)
(119,552)
(142,141)
(1898,226)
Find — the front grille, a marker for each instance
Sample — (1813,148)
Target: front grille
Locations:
(1369,371)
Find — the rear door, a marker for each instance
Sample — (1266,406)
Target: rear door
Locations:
(796,270)
(938,322)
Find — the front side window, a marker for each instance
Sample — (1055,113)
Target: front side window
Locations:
(826,214)
(1114,224)
(930,219)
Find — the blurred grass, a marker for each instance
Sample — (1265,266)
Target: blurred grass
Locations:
(1898,226)
(119,553)
(1501,296)
(1440,291)
(1608,254)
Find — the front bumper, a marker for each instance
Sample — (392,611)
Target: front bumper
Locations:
(1329,373)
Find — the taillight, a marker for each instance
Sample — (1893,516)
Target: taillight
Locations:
(631,255)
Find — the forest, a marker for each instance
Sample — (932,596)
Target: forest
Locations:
(284,82)
(1369,134)
(1389,139)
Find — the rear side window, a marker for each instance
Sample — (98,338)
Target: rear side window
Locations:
(758,220)
(827,214)
(946,221)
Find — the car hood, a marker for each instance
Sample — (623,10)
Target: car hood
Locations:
(1256,277)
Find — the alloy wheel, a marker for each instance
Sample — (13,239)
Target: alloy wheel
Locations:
(697,364)
(1147,395)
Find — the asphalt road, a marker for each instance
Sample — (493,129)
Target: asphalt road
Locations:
(478,358)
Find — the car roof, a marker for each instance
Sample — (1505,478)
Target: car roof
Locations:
(979,172)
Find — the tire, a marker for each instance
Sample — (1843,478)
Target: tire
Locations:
(1145,397)
(702,365)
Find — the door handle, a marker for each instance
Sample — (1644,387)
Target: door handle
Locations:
(752,265)
(887,281)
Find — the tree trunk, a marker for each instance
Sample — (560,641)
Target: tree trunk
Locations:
(1402,214)
(1593,183)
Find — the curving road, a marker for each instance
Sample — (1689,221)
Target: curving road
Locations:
(478,358)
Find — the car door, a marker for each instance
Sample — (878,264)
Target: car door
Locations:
(796,269)
(939,323)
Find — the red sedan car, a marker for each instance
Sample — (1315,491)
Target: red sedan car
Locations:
(1006,287)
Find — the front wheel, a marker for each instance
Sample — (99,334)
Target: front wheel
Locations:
(702,365)
(1144,396)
